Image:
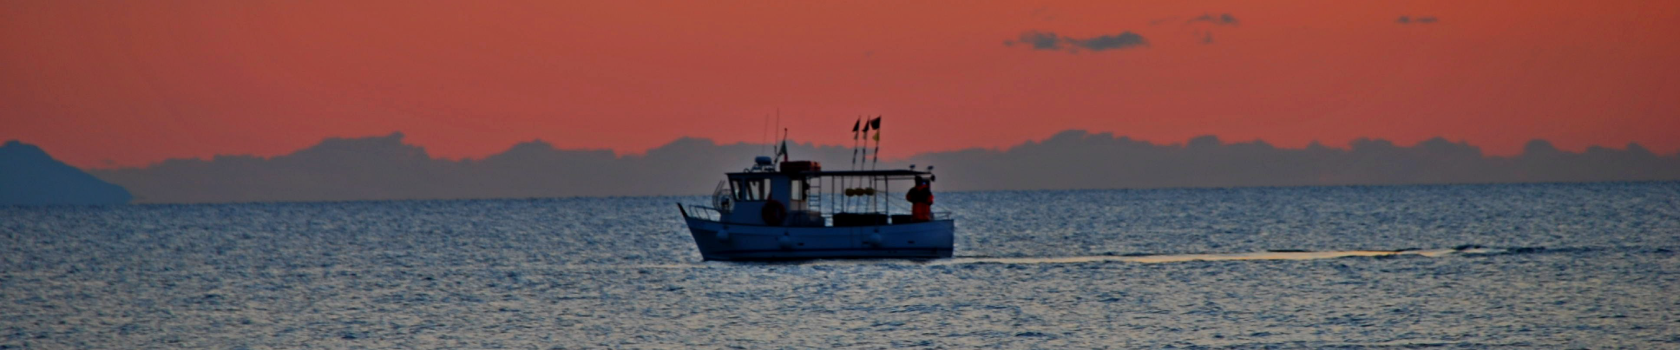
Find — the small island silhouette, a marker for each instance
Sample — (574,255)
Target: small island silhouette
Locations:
(29,176)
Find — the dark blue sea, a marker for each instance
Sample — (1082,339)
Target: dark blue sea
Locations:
(1549,266)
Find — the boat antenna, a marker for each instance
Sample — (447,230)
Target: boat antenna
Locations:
(778,151)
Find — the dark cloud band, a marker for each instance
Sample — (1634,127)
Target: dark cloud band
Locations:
(1054,42)
(1224,19)
(1418,20)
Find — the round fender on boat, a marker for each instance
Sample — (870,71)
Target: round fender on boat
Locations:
(773,213)
(873,239)
(723,235)
(786,242)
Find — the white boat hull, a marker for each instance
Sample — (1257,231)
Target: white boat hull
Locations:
(922,240)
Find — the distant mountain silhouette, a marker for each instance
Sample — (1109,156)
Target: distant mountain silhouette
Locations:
(1077,159)
(28,176)
(376,168)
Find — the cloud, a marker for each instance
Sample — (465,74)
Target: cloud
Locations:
(1418,20)
(382,168)
(1054,42)
(1108,42)
(1039,40)
(1205,36)
(1224,19)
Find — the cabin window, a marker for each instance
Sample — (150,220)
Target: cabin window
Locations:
(751,190)
(797,190)
(743,190)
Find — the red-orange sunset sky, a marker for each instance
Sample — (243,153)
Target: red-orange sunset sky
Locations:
(109,83)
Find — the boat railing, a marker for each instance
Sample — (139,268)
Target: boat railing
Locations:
(700,212)
(713,214)
(934,216)
(937,215)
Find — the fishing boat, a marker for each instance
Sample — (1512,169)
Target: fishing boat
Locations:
(780,211)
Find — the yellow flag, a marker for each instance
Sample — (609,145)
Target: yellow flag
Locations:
(877,134)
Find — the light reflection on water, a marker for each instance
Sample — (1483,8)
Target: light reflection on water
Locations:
(1290,255)
(1146,259)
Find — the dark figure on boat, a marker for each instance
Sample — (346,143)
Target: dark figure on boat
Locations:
(921,200)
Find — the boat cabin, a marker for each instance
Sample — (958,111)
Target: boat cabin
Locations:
(801,194)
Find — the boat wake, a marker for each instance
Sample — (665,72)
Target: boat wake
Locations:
(1173,258)
(1463,250)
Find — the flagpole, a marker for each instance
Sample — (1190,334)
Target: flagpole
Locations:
(845,181)
(864,148)
(855,142)
(775,161)
(877,125)
(886,205)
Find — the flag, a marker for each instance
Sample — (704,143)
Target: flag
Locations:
(856,124)
(876,123)
(877,137)
(783,151)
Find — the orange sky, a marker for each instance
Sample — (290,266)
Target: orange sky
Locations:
(107,83)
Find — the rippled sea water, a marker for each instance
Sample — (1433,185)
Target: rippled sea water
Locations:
(1480,266)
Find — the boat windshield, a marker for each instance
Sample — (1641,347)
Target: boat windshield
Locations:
(750,189)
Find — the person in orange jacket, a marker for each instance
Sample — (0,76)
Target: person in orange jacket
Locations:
(921,200)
